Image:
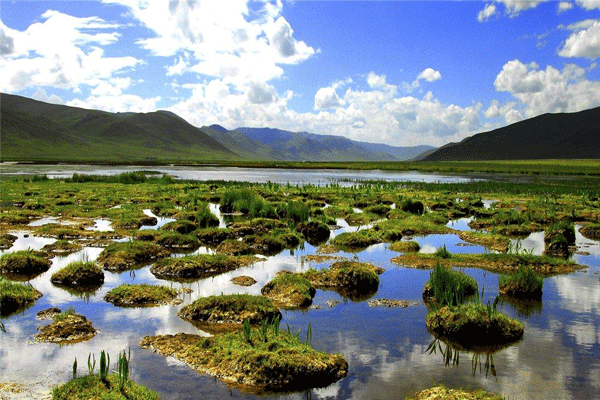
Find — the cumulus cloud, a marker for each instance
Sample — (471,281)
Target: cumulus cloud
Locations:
(430,75)
(117,103)
(260,93)
(7,45)
(327,98)
(584,42)
(507,111)
(548,90)
(589,4)
(485,14)
(179,66)
(41,95)
(564,6)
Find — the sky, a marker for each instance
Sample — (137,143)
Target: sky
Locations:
(403,73)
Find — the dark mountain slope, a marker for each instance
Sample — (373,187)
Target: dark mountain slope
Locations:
(548,136)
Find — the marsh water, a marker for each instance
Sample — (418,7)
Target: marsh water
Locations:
(387,349)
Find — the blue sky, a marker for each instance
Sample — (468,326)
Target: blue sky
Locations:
(398,72)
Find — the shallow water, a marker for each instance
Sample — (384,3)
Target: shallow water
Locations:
(386,348)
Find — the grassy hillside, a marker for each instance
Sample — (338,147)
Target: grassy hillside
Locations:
(37,131)
(548,136)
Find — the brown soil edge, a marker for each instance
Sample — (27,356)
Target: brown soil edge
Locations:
(73,329)
(442,393)
(183,346)
(420,262)
(496,245)
(590,232)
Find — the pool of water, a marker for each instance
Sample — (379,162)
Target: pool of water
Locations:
(386,348)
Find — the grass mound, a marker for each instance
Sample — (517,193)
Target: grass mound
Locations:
(25,263)
(405,247)
(121,256)
(472,325)
(493,241)
(230,309)
(446,286)
(79,274)
(62,247)
(349,278)
(444,393)
(356,241)
(259,360)
(141,295)
(68,327)
(198,266)
(525,284)
(14,296)
(290,290)
(92,387)
(591,231)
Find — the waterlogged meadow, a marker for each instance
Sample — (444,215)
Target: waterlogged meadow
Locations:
(367,275)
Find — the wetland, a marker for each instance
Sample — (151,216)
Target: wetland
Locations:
(85,242)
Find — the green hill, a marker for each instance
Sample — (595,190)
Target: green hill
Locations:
(548,136)
(37,131)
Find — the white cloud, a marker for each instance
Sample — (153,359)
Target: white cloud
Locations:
(117,103)
(584,41)
(510,114)
(62,51)
(430,75)
(327,98)
(485,14)
(564,6)
(379,82)
(179,66)
(260,93)
(41,95)
(589,4)
(548,90)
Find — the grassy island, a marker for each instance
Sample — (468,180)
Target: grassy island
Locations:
(79,275)
(444,393)
(15,296)
(142,295)
(258,360)
(91,387)
(522,285)
(229,311)
(198,266)
(350,275)
(23,264)
(121,256)
(290,290)
(446,286)
(67,327)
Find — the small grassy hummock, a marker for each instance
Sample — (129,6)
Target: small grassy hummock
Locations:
(405,247)
(356,241)
(14,296)
(493,241)
(349,278)
(25,263)
(141,295)
(444,393)
(442,252)
(290,290)
(62,247)
(525,284)
(198,266)
(260,360)
(591,231)
(230,309)
(68,327)
(92,387)
(121,256)
(473,325)
(79,274)
(446,286)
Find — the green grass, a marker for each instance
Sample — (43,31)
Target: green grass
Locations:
(356,241)
(197,266)
(128,295)
(23,262)
(120,256)
(443,393)
(79,273)
(525,283)
(15,295)
(442,252)
(450,287)
(91,387)
(63,315)
(290,290)
(234,308)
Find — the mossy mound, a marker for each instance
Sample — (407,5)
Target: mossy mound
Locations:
(591,231)
(182,226)
(259,363)
(314,232)
(471,325)
(446,286)
(62,247)
(349,278)
(230,309)
(266,245)
(198,266)
(356,241)
(444,393)
(7,240)
(68,327)
(16,296)
(175,240)
(405,247)
(91,387)
(121,256)
(243,280)
(142,295)
(234,248)
(525,285)
(213,236)
(290,290)
(24,263)
(79,275)
(493,241)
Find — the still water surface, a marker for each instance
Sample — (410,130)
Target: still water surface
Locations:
(386,348)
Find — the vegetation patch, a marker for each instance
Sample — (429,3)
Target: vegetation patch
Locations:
(289,290)
(314,232)
(258,360)
(243,280)
(68,327)
(356,241)
(405,247)
(92,387)
(213,236)
(7,240)
(16,296)
(234,248)
(444,393)
(349,278)
(391,303)
(121,256)
(142,295)
(525,284)
(408,224)
(504,263)
(230,310)
(23,264)
(446,286)
(492,241)
(79,275)
(198,266)
(62,247)
(473,325)
(591,231)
